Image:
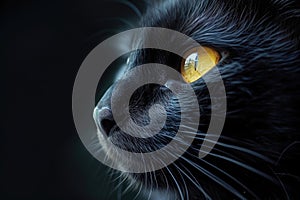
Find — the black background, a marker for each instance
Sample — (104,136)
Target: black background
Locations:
(43,44)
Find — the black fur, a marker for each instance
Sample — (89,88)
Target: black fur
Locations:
(255,158)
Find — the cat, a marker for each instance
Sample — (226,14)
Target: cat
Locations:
(255,156)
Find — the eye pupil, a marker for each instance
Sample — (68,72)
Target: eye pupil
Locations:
(198,62)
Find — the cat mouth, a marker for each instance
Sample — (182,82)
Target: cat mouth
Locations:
(110,132)
(136,145)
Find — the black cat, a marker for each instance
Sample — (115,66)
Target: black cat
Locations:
(257,153)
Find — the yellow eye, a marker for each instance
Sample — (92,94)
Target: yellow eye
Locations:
(198,62)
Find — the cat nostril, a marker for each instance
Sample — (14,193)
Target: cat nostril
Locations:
(107,125)
(105,120)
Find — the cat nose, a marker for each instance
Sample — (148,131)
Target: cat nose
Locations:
(104,120)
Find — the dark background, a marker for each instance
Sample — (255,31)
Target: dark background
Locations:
(43,44)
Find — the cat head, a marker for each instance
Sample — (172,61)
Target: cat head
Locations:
(257,45)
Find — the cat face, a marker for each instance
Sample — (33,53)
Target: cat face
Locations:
(258,47)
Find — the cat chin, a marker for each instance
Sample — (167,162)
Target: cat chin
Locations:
(112,153)
(161,195)
(150,192)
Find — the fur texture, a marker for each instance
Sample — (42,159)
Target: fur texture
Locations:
(255,158)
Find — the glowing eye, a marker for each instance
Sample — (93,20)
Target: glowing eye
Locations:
(198,62)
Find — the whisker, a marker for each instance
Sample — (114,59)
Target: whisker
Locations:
(138,193)
(119,193)
(241,149)
(215,178)
(231,177)
(243,165)
(282,185)
(185,186)
(286,149)
(176,183)
(196,184)
(151,186)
